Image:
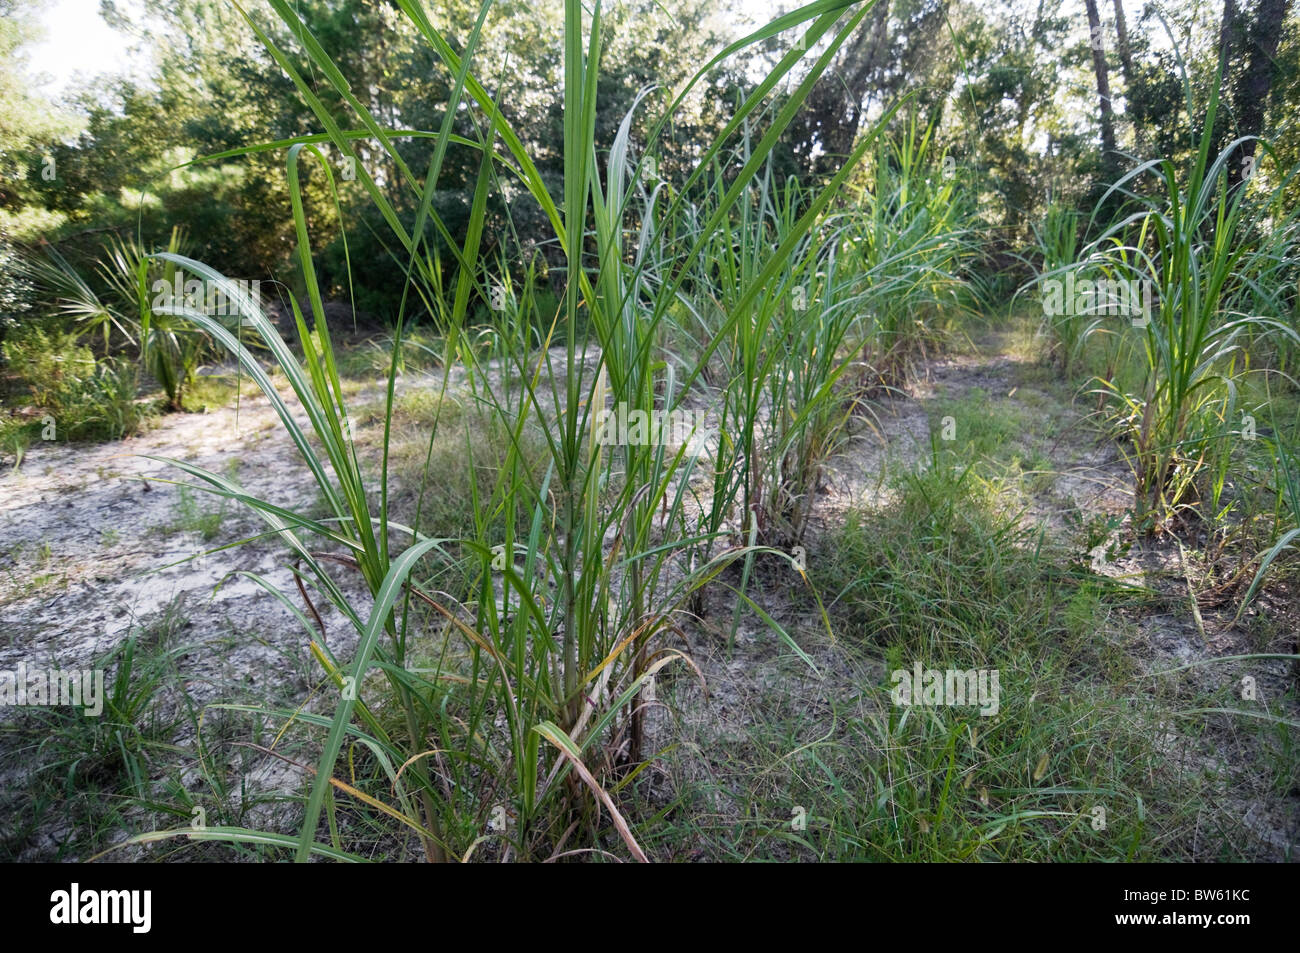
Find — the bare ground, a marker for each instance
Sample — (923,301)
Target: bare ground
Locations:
(93,541)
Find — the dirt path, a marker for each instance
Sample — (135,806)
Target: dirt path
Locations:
(94,541)
(1069,475)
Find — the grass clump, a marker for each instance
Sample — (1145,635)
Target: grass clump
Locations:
(951,568)
(195,515)
(91,770)
(1068,768)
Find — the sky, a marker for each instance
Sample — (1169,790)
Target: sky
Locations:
(76,41)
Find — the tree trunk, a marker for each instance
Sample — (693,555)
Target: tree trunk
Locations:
(1252,89)
(1125,51)
(864,60)
(1109,156)
(1132,91)
(838,102)
(1229,32)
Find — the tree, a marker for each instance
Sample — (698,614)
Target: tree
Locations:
(1013,62)
(1122,45)
(832,114)
(30,125)
(1256,80)
(1109,154)
(31,129)
(899,47)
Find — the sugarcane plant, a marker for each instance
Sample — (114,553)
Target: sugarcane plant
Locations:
(527,714)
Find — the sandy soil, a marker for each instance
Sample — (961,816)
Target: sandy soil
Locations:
(94,540)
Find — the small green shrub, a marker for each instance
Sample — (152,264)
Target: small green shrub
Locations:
(83,398)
